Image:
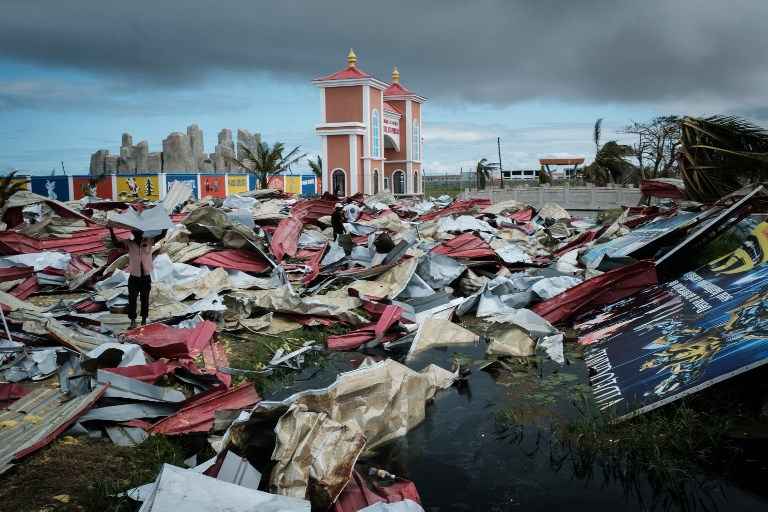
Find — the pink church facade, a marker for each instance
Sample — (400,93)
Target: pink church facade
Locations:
(370,134)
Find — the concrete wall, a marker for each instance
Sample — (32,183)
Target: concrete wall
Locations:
(570,198)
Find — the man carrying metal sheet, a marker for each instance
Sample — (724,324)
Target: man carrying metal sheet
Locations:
(140,269)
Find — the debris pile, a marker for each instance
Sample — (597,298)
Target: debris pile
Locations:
(389,278)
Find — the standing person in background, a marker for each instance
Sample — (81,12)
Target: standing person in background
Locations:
(139,268)
(337,221)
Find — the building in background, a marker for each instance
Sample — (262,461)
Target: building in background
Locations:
(371,133)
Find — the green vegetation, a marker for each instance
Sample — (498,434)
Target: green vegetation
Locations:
(86,474)
(252,351)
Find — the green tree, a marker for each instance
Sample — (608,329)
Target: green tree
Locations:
(316,166)
(484,171)
(265,160)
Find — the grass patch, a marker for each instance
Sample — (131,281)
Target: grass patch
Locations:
(252,351)
(668,452)
(84,474)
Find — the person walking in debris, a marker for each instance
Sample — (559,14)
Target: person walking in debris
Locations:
(139,267)
(337,221)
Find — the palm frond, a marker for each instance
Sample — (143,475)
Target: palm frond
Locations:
(597,133)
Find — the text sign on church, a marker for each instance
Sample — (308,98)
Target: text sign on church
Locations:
(392,126)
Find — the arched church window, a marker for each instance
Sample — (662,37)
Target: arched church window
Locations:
(339,179)
(416,142)
(375,134)
(375,181)
(416,182)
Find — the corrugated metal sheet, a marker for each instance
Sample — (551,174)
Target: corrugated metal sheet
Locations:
(310,210)
(604,289)
(26,288)
(35,420)
(286,238)
(458,207)
(87,241)
(466,245)
(13,273)
(198,414)
(237,259)
(160,340)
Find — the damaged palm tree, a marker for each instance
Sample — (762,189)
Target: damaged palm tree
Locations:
(265,161)
(9,185)
(484,171)
(720,154)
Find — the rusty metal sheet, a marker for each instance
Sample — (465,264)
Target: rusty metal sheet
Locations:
(35,420)
(237,259)
(314,455)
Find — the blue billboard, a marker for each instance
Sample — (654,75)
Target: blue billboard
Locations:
(52,187)
(679,337)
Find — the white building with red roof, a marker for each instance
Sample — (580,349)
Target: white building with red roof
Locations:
(371,133)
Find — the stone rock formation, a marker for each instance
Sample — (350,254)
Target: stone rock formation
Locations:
(97,161)
(155,162)
(177,153)
(181,153)
(195,135)
(110,163)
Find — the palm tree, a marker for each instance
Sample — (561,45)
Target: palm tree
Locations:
(483,170)
(265,161)
(316,166)
(720,154)
(596,134)
(610,164)
(9,186)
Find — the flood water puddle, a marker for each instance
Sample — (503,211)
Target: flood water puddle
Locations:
(488,443)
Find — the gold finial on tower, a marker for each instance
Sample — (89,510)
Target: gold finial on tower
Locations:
(351,58)
(395,76)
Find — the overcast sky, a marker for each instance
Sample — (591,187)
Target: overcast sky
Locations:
(75,74)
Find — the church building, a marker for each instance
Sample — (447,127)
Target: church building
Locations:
(371,133)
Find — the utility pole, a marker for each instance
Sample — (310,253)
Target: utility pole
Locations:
(501,173)
(63,171)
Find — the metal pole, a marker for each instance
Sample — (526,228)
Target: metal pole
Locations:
(5,325)
(501,172)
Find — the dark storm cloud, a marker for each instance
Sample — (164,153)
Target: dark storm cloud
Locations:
(498,51)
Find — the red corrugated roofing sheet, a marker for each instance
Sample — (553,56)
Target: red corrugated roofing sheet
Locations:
(198,413)
(160,340)
(309,210)
(604,289)
(237,259)
(458,207)
(285,239)
(655,188)
(352,340)
(466,245)
(360,493)
(26,288)
(87,241)
(13,273)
